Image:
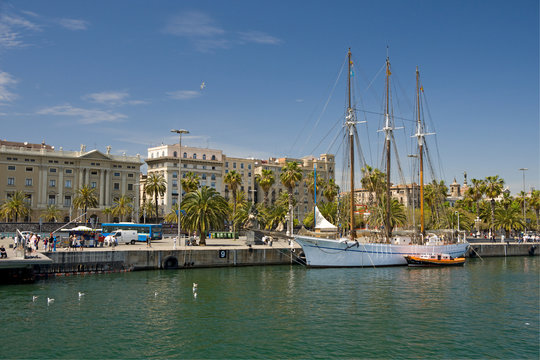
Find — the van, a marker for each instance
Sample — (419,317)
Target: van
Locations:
(125,236)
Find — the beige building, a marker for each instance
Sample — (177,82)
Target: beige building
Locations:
(406,194)
(211,166)
(49,176)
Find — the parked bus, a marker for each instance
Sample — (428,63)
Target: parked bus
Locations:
(144,231)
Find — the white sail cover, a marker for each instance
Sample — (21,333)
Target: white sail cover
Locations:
(321,223)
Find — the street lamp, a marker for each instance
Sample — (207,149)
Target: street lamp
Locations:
(179,132)
(524,220)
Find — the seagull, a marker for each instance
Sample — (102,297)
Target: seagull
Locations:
(34,298)
(81,294)
(49,300)
(195,285)
(203,85)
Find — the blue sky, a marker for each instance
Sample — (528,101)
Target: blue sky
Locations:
(123,73)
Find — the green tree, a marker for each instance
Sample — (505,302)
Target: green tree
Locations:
(52,213)
(374,181)
(205,210)
(15,206)
(107,212)
(291,174)
(309,181)
(330,191)
(122,207)
(85,199)
(493,188)
(534,203)
(509,218)
(265,180)
(156,185)
(475,193)
(190,183)
(233,180)
(172,216)
(398,217)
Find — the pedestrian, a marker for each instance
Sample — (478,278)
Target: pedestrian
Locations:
(54,243)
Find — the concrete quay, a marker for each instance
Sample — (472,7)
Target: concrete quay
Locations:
(502,249)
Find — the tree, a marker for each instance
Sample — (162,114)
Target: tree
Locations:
(493,188)
(205,209)
(508,218)
(122,207)
(15,206)
(291,174)
(172,216)
(52,213)
(190,183)
(309,180)
(233,180)
(85,199)
(534,203)
(398,217)
(156,185)
(475,193)
(265,180)
(331,190)
(374,181)
(107,212)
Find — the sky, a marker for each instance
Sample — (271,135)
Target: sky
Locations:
(125,72)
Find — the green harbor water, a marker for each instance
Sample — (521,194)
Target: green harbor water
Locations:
(487,309)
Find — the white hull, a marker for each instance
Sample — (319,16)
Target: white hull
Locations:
(339,253)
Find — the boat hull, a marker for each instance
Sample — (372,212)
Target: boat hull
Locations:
(335,253)
(416,261)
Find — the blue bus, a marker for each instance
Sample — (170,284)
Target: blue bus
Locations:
(144,231)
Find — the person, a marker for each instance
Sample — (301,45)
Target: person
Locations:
(3,253)
(174,243)
(54,243)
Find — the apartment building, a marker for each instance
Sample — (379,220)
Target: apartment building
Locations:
(49,176)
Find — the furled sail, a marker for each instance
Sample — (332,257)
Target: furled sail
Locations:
(321,223)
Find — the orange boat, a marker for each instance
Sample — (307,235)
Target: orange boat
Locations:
(434,260)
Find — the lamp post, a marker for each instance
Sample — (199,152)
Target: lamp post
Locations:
(524,220)
(457,213)
(179,132)
(477,222)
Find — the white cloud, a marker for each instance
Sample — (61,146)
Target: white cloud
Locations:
(19,22)
(184,94)
(259,38)
(13,28)
(74,24)
(113,98)
(6,81)
(193,24)
(86,116)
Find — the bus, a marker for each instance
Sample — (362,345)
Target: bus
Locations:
(144,231)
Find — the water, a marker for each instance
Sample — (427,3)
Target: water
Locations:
(486,309)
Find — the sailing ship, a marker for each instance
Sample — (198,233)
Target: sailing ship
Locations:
(350,251)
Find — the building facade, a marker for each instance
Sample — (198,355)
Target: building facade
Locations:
(52,177)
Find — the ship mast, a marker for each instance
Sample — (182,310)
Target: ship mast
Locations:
(420,138)
(350,122)
(388,134)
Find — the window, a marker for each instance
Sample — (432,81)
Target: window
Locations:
(194,156)
(130,187)
(249,174)
(11,181)
(213,184)
(52,170)
(185,166)
(28,182)
(185,155)
(234,165)
(175,154)
(130,175)
(226,171)
(241,165)
(52,183)
(116,174)
(204,176)
(175,175)
(213,157)
(93,184)
(52,199)
(226,164)
(249,166)
(204,167)
(68,183)
(28,199)
(67,200)
(116,186)
(93,172)
(11,167)
(204,156)
(175,183)
(213,177)
(29,169)
(69,171)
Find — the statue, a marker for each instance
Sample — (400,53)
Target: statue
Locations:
(252,222)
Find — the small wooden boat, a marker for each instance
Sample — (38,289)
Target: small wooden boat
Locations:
(434,260)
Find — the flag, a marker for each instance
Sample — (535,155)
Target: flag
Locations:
(421,88)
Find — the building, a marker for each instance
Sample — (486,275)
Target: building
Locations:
(211,166)
(406,194)
(48,176)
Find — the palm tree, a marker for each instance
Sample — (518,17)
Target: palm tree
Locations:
(265,180)
(172,216)
(123,206)
(509,218)
(534,203)
(156,185)
(15,206)
(107,212)
(85,199)
(494,187)
(291,174)
(475,193)
(190,183)
(205,209)
(274,215)
(233,180)
(52,213)
(149,209)
(331,190)
(374,181)
(398,217)
(310,183)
